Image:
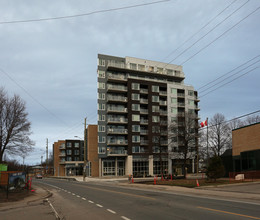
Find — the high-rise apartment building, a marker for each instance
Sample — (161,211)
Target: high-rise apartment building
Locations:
(137,100)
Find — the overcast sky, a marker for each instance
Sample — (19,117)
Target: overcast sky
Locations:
(52,64)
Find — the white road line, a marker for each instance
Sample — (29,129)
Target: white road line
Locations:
(123,217)
(111,211)
(69,192)
(83,198)
(99,205)
(78,196)
(73,194)
(90,201)
(53,209)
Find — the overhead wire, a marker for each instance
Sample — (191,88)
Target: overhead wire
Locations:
(84,14)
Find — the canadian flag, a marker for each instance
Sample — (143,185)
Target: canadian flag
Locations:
(204,123)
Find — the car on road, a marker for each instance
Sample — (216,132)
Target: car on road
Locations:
(38,176)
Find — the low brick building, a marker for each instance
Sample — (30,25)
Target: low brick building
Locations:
(246,148)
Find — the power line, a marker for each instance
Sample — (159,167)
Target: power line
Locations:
(171,53)
(230,81)
(209,32)
(45,108)
(229,76)
(221,35)
(84,14)
(242,116)
(207,84)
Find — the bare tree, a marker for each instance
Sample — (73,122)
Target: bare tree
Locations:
(219,134)
(186,133)
(237,123)
(252,120)
(14,126)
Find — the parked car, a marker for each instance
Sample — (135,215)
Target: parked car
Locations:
(38,176)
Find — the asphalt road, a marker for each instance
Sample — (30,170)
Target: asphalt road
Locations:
(77,200)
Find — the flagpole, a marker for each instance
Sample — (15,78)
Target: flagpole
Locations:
(207,143)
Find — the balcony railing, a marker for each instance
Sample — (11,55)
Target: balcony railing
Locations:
(163,112)
(116,152)
(144,111)
(117,98)
(119,77)
(119,120)
(163,102)
(144,132)
(62,147)
(117,131)
(163,93)
(62,154)
(144,90)
(121,142)
(144,142)
(144,121)
(180,95)
(181,104)
(119,88)
(144,101)
(114,109)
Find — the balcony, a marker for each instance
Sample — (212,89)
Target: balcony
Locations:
(116,77)
(144,101)
(182,95)
(144,121)
(62,147)
(117,98)
(163,102)
(144,142)
(163,112)
(116,88)
(117,131)
(112,152)
(144,132)
(144,91)
(163,93)
(164,142)
(144,111)
(163,122)
(62,155)
(181,105)
(117,142)
(117,120)
(119,110)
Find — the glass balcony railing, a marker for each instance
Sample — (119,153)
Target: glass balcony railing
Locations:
(119,120)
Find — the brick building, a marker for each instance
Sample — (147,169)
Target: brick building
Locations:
(246,148)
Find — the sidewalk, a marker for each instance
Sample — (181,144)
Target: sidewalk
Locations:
(34,206)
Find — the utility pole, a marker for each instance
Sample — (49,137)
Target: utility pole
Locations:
(85,150)
(47,155)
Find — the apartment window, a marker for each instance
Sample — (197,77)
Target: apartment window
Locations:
(174,119)
(101,139)
(135,96)
(76,158)
(133,66)
(101,62)
(141,67)
(155,88)
(173,91)
(68,152)
(173,110)
(190,93)
(101,106)
(135,128)
(155,98)
(156,129)
(156,139)
(191,102)
(173,100)
(156,149)
(101,128)
(68,159)
(135,117)
(135,86)
(76,145)
(135,139)
(191,111)
(136,149)
(155,108)
(160,70)
(155,119)
(135,107)
(76,152)
(68,144)
(101,117)
(101,85)
(102,150)
(101,96)
(169,72)
(101,74)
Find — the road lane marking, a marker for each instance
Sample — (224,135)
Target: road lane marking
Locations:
(123,193)
(90,201)
(111,211)
(231,213)
(125,218)
(69,192)
(53,209)
(78,196)
(99,205)
(73,194)
(83,198)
